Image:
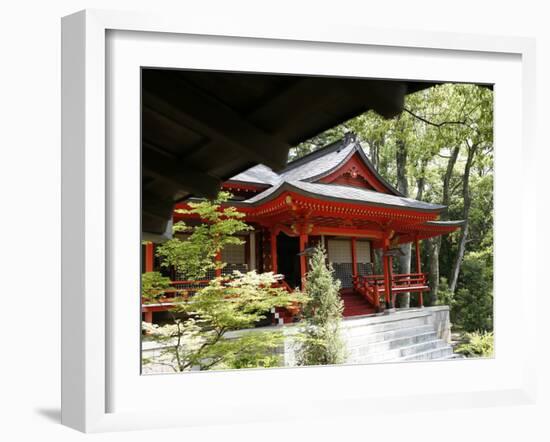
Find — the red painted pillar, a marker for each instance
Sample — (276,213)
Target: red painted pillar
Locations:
(387,281)
(148,317)
(149,257)
(273,238)
(390,266)
(418,269)
(218,260)
(387,260)
(354,256)
(303,259)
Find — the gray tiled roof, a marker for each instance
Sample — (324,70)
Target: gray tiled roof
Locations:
(343,193)
(312,166)
(258,174)
(318,166)
(316,163)
(297,176)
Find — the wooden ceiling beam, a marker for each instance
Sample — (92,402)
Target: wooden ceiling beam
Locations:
(166,93)
(178,173)
(156,205)
(303,94)
(303,97)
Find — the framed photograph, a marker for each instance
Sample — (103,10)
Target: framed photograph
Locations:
(291,222)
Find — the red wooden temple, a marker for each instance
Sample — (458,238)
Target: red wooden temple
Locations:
(334,196)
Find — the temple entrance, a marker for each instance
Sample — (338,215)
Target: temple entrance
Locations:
(288,261)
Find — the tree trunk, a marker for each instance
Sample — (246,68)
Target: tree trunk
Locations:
(434,246)
(420,185)
(449,175)
(401,163)
(405,267)
(403,187)
(374,154)
(421,180)
(435,243)
(465,214)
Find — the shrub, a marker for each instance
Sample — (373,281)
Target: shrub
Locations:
(320,339)
(153,286)
(472,308)
(479,344)
(444,295)
(230,303)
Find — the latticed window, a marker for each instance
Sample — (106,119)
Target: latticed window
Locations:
(234,255)
(339,254)
(362,250)
(339,250)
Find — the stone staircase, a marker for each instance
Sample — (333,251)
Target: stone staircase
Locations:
(404,335)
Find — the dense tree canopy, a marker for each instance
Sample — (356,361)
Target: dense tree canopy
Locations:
(440,150)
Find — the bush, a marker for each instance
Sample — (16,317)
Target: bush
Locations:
(230,303)
(321,342)
(472,304)
(479,344)
(444,295)
(153,286)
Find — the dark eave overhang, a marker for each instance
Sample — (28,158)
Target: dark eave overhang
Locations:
(201,128)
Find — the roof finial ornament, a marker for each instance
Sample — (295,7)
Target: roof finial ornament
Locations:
(349,137)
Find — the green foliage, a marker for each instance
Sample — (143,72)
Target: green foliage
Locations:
(195,255)
(472,306)
(206,338)
(444,295)
(320,340)
(153,286)
(472,303)
(437,121)
(206,331)
(478,344)
(238,301)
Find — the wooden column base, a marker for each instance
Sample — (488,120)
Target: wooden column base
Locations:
(148,317)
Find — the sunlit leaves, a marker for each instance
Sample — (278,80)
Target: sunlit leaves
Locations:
(211,335)
(216,227)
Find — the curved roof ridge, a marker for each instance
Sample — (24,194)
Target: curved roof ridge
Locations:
(322,151)
(356,147)
(317,165)
(258,174)
(326,159)
(341,193)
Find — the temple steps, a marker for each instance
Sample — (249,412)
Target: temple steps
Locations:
(356,305)
(391,344)
(400,336)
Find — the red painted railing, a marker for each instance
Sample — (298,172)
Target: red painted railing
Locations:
(186,289)
(372,286)
(179,289)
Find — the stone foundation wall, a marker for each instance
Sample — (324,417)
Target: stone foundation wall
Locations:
(442,321)
(356,331)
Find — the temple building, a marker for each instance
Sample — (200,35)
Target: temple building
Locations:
(334,196)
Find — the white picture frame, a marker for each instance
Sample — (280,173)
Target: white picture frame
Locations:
(92,367)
